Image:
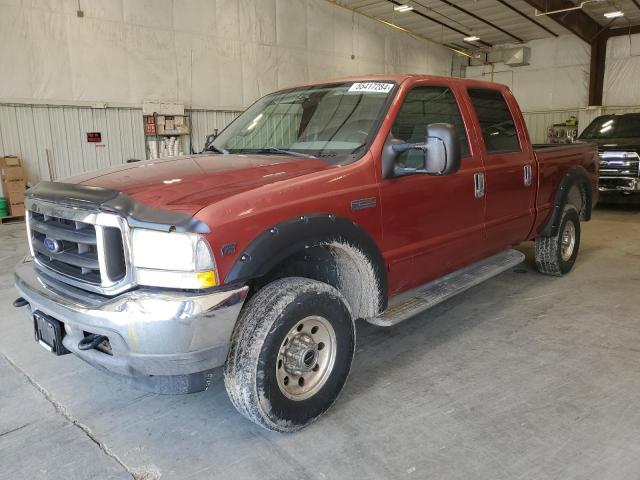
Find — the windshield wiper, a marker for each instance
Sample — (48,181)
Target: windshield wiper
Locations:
(288,152)
(213,148)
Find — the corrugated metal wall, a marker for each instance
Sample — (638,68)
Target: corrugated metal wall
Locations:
(28,131)
(539,122)
(205,122)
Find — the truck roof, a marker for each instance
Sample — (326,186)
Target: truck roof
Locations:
(400,78)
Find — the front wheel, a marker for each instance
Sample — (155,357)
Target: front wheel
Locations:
(556,255)
(291,353)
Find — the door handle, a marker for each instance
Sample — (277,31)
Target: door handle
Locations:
(528,176)
(478,181)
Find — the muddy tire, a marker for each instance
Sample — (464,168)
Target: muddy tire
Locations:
(556,255)
(290,355)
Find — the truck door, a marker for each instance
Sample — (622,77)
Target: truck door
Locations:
(509,169)
(431,225)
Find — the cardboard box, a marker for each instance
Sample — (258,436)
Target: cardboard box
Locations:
(15,198)
(8,174)
(10,161)
(14,191)
(16,210)
(14,186)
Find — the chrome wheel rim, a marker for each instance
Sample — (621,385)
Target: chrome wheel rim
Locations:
(306,358)
(567,241)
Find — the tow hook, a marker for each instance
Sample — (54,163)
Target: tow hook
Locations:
(20,302)
(91,341)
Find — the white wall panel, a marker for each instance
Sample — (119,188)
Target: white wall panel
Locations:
(622,70)
(208,54)
(557,78)
(215,56)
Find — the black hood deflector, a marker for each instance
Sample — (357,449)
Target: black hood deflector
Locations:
(113,201)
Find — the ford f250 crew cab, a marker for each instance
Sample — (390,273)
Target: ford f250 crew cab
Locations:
(368,198)
(618,139)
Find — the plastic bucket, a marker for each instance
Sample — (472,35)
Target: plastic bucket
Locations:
(3,203)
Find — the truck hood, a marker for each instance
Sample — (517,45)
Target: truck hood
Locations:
(188,184)
(616,143)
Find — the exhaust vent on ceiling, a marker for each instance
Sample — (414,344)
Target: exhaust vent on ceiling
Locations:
(516,57)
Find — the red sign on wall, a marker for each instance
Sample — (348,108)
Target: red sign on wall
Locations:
(94,137)
(149,125)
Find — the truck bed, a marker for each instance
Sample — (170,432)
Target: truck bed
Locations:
(557,146)
(552,159)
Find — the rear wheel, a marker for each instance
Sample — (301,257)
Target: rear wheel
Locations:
(290,353)
(557,254)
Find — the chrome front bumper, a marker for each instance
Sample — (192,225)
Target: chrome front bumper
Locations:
(162,340)
(619,184)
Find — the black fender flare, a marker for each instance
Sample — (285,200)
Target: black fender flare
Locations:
(291,236)
(575,176)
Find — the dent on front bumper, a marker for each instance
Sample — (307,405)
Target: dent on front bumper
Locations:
(166,341)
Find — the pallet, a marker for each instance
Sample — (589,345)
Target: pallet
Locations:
(12,219)
(413,302)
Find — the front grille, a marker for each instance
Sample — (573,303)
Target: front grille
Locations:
(81,252)
(77,254)
(619,164)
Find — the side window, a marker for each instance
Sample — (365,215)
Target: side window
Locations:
(498,129)
(423,106)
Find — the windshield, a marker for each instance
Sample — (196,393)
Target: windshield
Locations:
(613,126)
(332,122)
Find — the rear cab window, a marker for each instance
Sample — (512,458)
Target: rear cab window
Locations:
(496,121)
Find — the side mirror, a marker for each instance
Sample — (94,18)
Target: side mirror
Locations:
(442,156)
(441,153)
(210,138)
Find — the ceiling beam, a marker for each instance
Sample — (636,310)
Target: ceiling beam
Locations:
(522,14)
(621,31)
(576,21)
(480,19)
(435,20)
(462,52)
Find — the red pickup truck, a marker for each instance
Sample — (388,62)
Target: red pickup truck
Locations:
(368,198)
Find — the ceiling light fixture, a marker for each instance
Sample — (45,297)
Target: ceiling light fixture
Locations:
(472,38)
(614,14)
(403,8)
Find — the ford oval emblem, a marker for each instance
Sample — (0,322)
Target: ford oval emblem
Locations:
(54,246)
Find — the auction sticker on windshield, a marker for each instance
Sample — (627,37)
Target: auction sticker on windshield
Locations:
(371,87)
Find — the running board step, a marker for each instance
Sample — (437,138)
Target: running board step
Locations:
(412,302)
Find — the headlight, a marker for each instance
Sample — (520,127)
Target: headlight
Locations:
(171,259)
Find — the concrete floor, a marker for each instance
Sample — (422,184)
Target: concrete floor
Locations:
(523,377)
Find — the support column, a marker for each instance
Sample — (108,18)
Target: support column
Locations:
(596,72)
